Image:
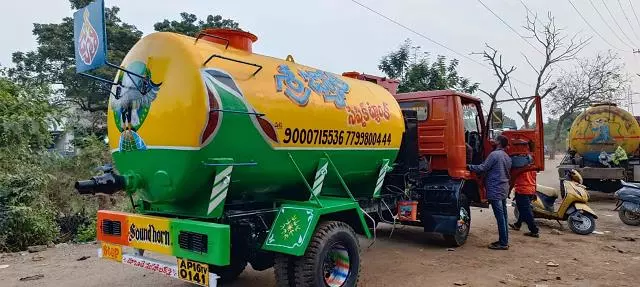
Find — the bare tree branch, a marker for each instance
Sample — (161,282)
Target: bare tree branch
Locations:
(558,47)
(491,56)
(601,79)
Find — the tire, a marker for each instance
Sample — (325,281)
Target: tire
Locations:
(284,268)
(463,225)
(318,265)
(582,223)
(628,217)
(230,272)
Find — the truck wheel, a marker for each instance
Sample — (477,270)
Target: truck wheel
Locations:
(284,267)
(629,217)
(331,259)
(230,272)
(582,223)
(463,224)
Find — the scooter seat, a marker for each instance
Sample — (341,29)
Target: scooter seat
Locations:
(548,191)
(629,194)
(631,184)
(547,201)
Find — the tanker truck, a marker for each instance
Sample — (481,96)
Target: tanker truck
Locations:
(232,158)
(603,144)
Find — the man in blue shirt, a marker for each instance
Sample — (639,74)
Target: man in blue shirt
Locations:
(496,169)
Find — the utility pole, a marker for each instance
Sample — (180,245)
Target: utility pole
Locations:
(415,53)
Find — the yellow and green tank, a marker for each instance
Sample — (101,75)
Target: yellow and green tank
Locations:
(603,128)
(220,124)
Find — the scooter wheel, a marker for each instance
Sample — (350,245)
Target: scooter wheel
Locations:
(629,217)
(582,223)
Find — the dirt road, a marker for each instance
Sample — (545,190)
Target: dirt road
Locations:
(408,258)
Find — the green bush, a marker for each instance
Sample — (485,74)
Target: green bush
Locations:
(22,226)
(87,232)
(38,203)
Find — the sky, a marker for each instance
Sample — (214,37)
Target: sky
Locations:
(339,35)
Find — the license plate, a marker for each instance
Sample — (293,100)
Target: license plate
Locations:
(113,252)
(194,272)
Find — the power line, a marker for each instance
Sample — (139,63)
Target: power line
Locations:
(616,22)
(608,26)
(511,28)
(531,12)
(628,21)
(593,29)
(431,40)
(634,12)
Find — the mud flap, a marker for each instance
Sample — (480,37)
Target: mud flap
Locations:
(439,207)
(296,222)
(585,208)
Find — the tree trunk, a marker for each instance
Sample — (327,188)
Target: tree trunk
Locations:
(556,136)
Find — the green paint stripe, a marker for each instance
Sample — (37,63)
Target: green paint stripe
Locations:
(341,256)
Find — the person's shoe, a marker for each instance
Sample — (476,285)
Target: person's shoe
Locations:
(531,234)
(498,246)
(514,226)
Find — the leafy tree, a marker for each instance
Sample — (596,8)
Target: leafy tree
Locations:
(550,128)
(53,61)
(190,25)
(419,74)
(26,218)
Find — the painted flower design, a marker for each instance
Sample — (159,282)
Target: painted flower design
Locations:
(290,227)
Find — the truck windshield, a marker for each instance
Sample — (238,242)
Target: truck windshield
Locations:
(470,117)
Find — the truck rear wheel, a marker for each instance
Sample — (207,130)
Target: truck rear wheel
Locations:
(463,224)
(230,272)
(331,259)
(284,268)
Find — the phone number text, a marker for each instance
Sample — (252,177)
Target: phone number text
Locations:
(335,137)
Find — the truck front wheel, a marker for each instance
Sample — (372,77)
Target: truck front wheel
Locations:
(332,257)
(463,224)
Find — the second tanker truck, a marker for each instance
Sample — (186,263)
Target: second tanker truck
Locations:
(604,146)
(233,158)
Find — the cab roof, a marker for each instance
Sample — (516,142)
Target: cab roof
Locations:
(437,93)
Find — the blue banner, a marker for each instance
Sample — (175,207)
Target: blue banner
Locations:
(90,37)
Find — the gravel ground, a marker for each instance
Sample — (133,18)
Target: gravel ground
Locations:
(409,258)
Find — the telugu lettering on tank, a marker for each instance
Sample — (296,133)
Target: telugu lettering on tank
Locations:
(342,116)
(149,234)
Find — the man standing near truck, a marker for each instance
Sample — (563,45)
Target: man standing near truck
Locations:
(496,169)
(525,189)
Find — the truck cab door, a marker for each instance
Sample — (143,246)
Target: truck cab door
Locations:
(526,145)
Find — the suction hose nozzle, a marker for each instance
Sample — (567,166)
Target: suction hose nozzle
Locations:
(108,183)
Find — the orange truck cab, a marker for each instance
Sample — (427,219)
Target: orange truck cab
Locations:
(445,131)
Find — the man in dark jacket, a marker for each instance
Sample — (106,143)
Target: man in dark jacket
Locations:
(496,169)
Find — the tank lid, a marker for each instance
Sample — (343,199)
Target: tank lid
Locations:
(604,104)
(235,38)
(354,75)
